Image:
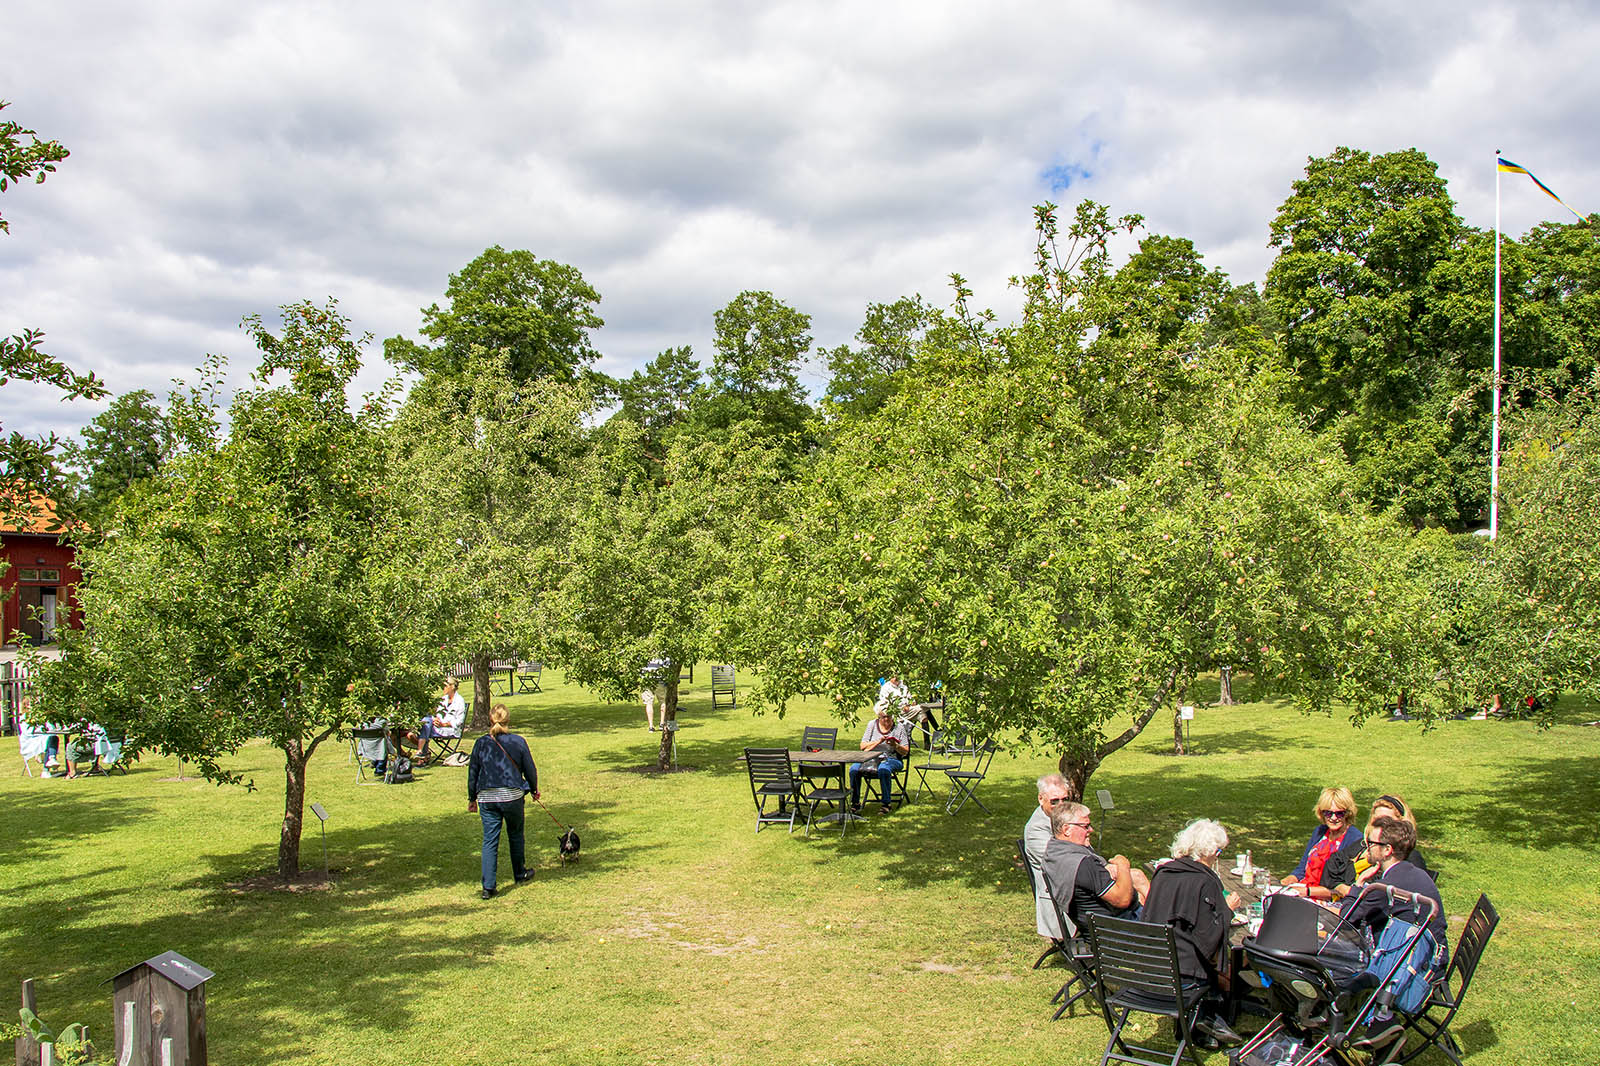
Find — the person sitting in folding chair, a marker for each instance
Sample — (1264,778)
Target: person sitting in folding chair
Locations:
(1389,842)
(1036,838)
(445,721)
(891,742)
(1078,874)
(1187,894)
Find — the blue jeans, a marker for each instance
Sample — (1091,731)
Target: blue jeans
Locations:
(886,771)
(493,816)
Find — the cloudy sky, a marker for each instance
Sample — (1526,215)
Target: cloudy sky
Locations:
(229,158)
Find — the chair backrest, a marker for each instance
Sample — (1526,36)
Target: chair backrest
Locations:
(722,678)
(769,766)
(1469,948)
(819,738)
(1139,956)
(985,755)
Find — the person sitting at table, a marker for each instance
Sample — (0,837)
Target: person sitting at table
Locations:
(80,750)
(1336,835)
(1078,874)
(1389,843)
(1035,838)
(1187,894)
(893,696)
(892,741)
(446,720)
(1361,870)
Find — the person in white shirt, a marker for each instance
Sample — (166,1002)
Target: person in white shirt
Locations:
(445,721)
(893,696)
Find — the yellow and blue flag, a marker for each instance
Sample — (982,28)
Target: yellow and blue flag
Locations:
(1509,167)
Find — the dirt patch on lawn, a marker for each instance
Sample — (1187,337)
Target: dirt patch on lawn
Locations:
(270,881)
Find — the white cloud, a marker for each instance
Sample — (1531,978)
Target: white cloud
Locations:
(227,160)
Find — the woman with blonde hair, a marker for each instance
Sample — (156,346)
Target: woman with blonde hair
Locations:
(500,775)
(1387,805)
(1335,835)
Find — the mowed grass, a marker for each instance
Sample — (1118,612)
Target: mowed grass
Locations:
(682,936)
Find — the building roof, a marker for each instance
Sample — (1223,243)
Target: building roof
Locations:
(37,515)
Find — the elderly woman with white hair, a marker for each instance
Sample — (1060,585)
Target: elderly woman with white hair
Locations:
(1187,894)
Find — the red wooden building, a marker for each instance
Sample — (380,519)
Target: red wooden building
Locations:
(37,590)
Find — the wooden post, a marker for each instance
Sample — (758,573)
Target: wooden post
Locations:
(27,1046)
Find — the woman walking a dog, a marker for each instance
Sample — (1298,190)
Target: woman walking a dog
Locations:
(500,776)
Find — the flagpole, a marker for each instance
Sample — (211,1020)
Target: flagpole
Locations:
(1494,446)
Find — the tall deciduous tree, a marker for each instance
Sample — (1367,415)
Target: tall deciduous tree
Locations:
(262,586)
(123,445)
(759,346)
(861,378)
(482,462)
(537,311)
(1068,533)
(653,564)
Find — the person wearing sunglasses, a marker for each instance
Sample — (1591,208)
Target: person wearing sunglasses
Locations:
(1389,843)
(1335,835)
(1035,839)
(1347,874)
(1077,873)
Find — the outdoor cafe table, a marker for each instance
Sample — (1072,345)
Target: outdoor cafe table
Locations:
(834,761)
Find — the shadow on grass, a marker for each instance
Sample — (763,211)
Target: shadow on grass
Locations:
(61,813)
(1532,801)
(347,958)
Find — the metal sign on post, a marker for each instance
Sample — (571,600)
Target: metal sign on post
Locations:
(672,728)
(1186,715)
(322,816)
(1103,796)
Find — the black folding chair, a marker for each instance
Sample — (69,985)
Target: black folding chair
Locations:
(1136,965)
(772,777)
(1072,947)
(1031,872)
(1432,1021)
(943,744)
(819,738)
(964,783)
(824,783)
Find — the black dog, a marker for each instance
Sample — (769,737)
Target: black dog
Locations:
(567,844)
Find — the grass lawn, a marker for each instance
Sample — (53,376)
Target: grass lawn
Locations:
(682,936)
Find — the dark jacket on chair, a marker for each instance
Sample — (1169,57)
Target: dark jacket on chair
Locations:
(1189,896)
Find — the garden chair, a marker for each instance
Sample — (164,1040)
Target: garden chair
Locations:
(1034,876)
(1432,1021)
(1136,967)
(108,754)
(897,784)
(964,783)
(819,738)
(942,744)
(370,745)
(772,777)
(33,743)
(723,690)
(528,675)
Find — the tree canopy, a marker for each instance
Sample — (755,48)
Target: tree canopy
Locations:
(262,586)
(537,311)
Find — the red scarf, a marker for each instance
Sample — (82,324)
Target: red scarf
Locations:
(1319,856)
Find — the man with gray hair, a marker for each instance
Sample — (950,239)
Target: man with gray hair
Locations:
(1078,874)
(1035,838)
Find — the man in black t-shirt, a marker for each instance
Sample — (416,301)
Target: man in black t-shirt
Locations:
(1098,885)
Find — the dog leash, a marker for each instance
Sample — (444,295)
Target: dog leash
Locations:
(552,817)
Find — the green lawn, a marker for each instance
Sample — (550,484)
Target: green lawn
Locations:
(682,936)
